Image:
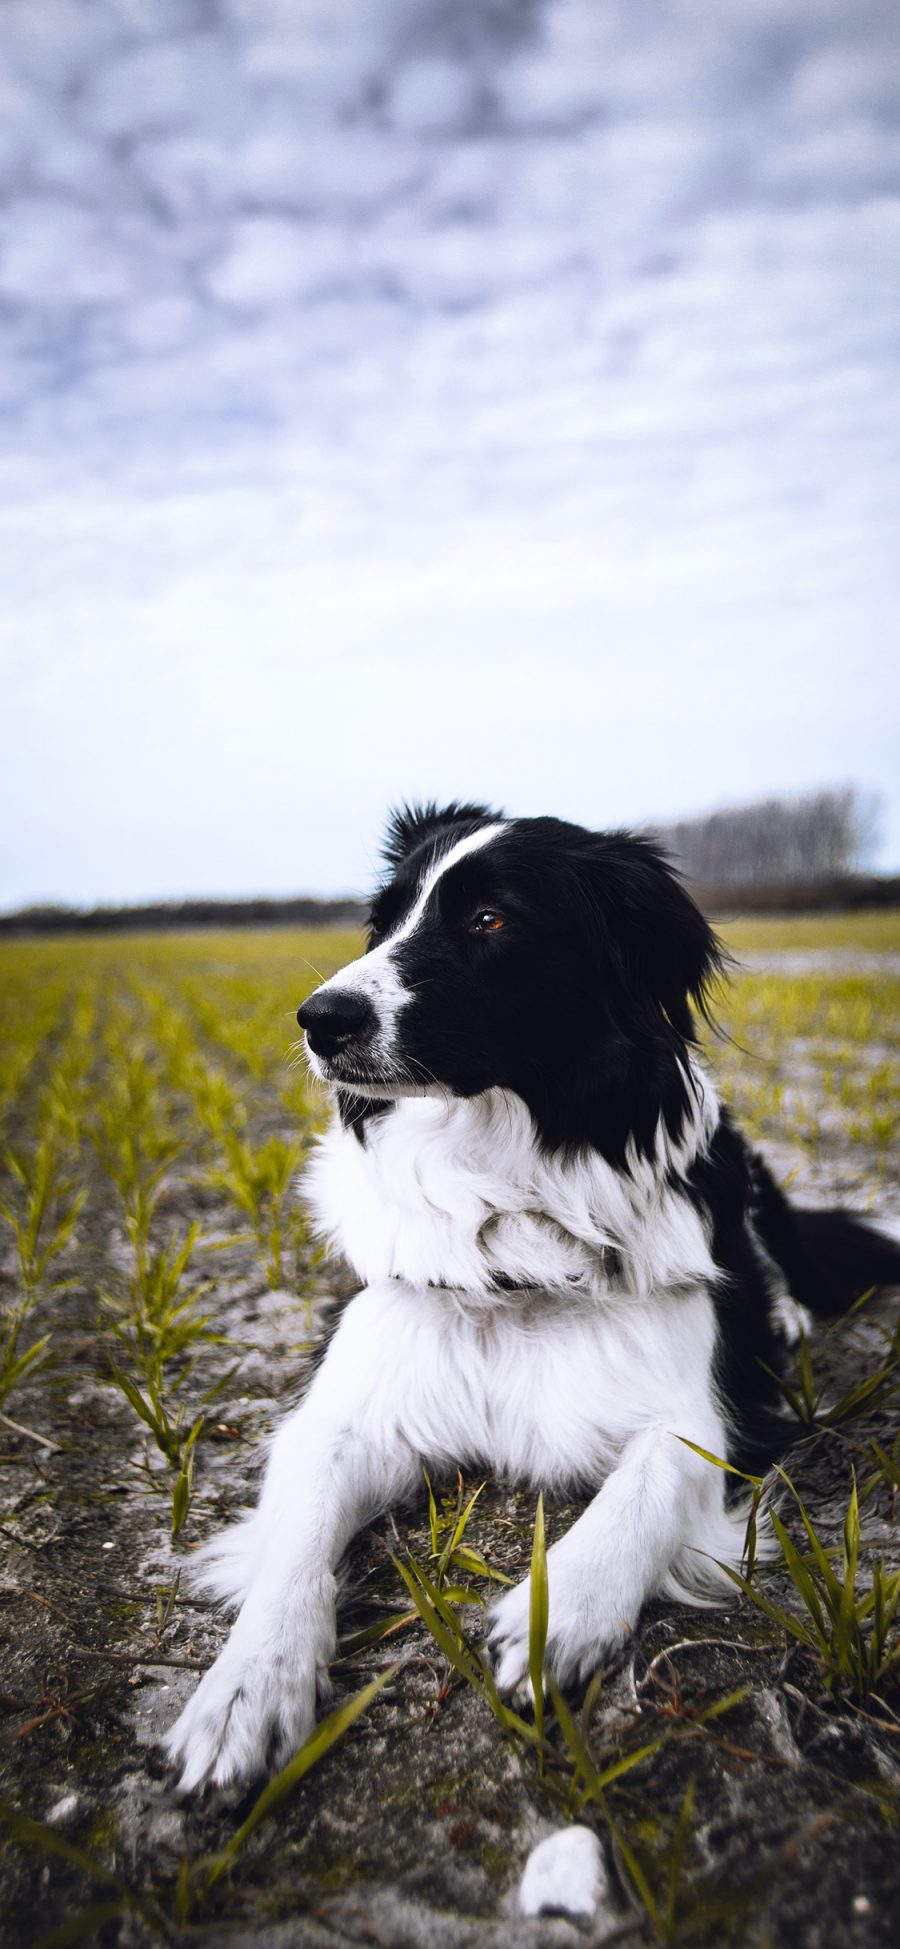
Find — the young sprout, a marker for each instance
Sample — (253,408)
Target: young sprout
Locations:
(257,1180)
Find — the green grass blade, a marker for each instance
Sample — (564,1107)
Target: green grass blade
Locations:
(867,1394)
(801,1578)
(432,1516)
(850,1657)
(465,1558)
(448,1637)
(785,1620)
(830,1580)
(637,1877)
(538,1616)
(790,1394)
(718,1463)
(320,1742)
(721,1706)
(37,1834)
(677,1854)
(373,1633)
(462,1524)
(85,1925)
(627,1762)
(591,1697)
(579,1751)
(751,1534)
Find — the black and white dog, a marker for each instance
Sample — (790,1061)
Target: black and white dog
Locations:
(569,1258)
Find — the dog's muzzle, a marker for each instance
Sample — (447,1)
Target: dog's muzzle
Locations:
(335,1020)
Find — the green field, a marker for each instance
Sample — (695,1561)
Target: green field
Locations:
(873,932)
(158,1291)
(808,1053)
(139,1072)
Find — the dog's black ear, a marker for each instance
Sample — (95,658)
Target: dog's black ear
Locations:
(666,949)
(409,825)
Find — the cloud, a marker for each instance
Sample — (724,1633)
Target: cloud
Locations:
(841,79)
(54,254)
(272,260)
(333,295)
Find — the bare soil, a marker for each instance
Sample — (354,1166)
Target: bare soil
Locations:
(414,1830)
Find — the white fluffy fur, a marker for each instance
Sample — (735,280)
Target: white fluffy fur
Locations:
(587,1373)
(451,1192)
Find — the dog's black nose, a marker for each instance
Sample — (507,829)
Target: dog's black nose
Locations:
(332,1019)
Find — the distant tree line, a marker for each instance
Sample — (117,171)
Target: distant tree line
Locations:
(852,891)
(778,853)
(821,837)
(171,914)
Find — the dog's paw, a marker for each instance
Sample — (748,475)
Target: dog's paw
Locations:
(582,1629)
(508,1639)
(247,1717)
(257,1703)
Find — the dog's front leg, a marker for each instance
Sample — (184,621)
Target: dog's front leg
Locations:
(660,1505)
(335,1463)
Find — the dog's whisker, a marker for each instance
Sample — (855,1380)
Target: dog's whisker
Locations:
(312,966)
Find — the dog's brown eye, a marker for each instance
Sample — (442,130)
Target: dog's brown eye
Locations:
(487,922)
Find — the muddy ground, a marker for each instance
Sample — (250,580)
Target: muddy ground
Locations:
(414,1830)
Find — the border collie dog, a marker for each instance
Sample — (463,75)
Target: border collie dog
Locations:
(569,1258)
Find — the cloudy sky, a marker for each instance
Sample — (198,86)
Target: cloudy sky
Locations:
(491,397)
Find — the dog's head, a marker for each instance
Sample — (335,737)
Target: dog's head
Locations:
(525,954)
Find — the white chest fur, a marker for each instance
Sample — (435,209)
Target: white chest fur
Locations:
(452,1193)
(539,1386)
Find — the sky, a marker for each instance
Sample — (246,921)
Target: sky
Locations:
(475,398)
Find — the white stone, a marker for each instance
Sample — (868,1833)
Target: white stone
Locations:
(63,1810)
(564,1874)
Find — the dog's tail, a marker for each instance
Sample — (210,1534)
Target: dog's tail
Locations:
(836,1257)
(829,1258)
(832,1258)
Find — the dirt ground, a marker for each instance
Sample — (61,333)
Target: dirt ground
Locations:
(413,1831)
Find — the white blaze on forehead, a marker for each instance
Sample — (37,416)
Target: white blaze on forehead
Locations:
(473,844)
(375,975)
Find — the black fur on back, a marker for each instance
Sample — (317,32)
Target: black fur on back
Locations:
(720,1183)
(829,1258)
